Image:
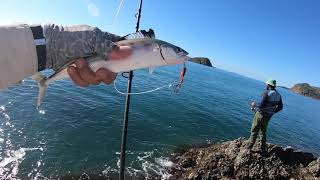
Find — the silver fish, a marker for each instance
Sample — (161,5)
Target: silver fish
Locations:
(147,53)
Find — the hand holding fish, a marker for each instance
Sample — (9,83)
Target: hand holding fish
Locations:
(83,76)
(122,56)
(83,53)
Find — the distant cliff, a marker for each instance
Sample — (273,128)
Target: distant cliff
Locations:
(307,90)
(202,60)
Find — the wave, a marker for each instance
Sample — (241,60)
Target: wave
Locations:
(144,164)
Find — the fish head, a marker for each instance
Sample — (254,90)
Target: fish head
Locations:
(173,54)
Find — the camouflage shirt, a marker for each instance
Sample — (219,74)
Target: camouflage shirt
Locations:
(64,44)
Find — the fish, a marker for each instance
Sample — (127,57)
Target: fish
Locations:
(148,52)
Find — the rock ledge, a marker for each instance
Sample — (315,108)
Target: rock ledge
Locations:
(231,160)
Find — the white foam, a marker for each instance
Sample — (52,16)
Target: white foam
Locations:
(42,112)
(39,163)
(147,155)
(37,176)
(109,170)
(8,142)
(14,159)
(148,165)
(165,162)
(158,167)
(3,108)
(127,152)
(6,116)
(16,155)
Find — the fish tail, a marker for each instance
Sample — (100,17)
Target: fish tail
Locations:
(43,86)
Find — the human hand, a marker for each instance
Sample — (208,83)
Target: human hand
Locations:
(83,76)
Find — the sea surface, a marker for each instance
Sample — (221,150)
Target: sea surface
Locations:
(78,130)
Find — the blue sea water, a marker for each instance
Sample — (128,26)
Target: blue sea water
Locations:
(78,130)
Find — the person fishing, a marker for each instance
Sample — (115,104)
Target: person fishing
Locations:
(25,50)
(270,104)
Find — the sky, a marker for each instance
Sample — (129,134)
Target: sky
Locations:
(278,39)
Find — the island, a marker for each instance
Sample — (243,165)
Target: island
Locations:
(201,60)
(307,90)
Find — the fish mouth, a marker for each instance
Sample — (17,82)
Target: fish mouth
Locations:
(185,58)
(182,59)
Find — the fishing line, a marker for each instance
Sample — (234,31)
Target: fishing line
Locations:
(175,85)
(117,14)
(143,92)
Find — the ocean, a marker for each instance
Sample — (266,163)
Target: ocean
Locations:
(78,130)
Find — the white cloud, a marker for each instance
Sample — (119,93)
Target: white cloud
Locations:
(93,10)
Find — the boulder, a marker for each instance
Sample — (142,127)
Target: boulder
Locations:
(232,160)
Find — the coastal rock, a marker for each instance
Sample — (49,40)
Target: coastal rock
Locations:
(314,168)
(232,160)
(201,60)
(307,90)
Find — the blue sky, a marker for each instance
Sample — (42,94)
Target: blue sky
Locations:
(277,39)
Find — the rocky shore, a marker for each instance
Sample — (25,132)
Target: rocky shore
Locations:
(202,60)
(231,160)
(307,90)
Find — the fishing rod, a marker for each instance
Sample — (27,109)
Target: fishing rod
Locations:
(126,111)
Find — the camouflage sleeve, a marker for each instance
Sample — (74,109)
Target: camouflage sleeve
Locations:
(68,43)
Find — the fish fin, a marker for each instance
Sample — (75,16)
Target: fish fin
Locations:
(139,35)
(43,86)
(151,69)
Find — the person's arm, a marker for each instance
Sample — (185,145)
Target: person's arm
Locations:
(71,42)
(18,56)
(26,50)
(280,106)
(263,100)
